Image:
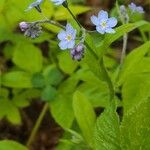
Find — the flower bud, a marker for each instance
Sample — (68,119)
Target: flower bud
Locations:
(33,31)
(77,52)
(23,26)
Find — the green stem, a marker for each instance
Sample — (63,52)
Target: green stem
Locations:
(37,124)
(123,53)
(107,79)
(103,68)
(48,21)
(74,17)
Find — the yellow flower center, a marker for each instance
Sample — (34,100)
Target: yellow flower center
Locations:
(69,37)
(103,24)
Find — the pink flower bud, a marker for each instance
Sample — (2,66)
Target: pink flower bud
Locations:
(23,26)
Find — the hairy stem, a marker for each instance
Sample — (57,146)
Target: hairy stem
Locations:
(107,79)
(48,21)
(37,124)
(124,48)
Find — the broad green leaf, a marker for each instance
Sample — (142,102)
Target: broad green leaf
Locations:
(4,93)
(66,63)
(10,111)
(135,90)
(28,57)
(49,93)
(61,107)
(17,79)
(38,80)
(11,145)
(135,128)
(61,110)
(102,47)
(85,116)
(107,131)
(132,60)
(63,14)
(52,75)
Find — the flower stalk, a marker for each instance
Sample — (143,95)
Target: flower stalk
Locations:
(37,124)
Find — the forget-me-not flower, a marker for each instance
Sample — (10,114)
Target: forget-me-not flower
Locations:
(67,38)
(58,2)
(103,23)
(135,8)
(35,4)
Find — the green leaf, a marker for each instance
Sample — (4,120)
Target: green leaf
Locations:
(20,101)
(11,145)
(4,93)
(132,60)
(28,57)
(52,75)
(135,128)
(38,80)
(85,115)
(107,131)
(135,90)
(62,112)
(10,111)
(48,93)
(61,107)
(17,79)
(63,14)
(66,63)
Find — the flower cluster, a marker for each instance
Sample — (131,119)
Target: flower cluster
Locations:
(32,30)
(135,8)
(124,14)
(67,41)
(77,53)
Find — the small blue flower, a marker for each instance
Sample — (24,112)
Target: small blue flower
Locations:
(35,4)
(103,23)
(135,8)
(58,2)
(67,38)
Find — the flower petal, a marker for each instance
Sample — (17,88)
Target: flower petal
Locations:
(103,15)
(61,35)
(140,9)
(63,45)
(57,2)
(70,30)
(71,44)
(95,20)
(100,30)
(112,22)
(110,30)
(74,34)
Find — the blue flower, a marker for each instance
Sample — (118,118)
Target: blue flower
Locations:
(58,2)
(67,38)
(135,8)
(35,4)
(103,23)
